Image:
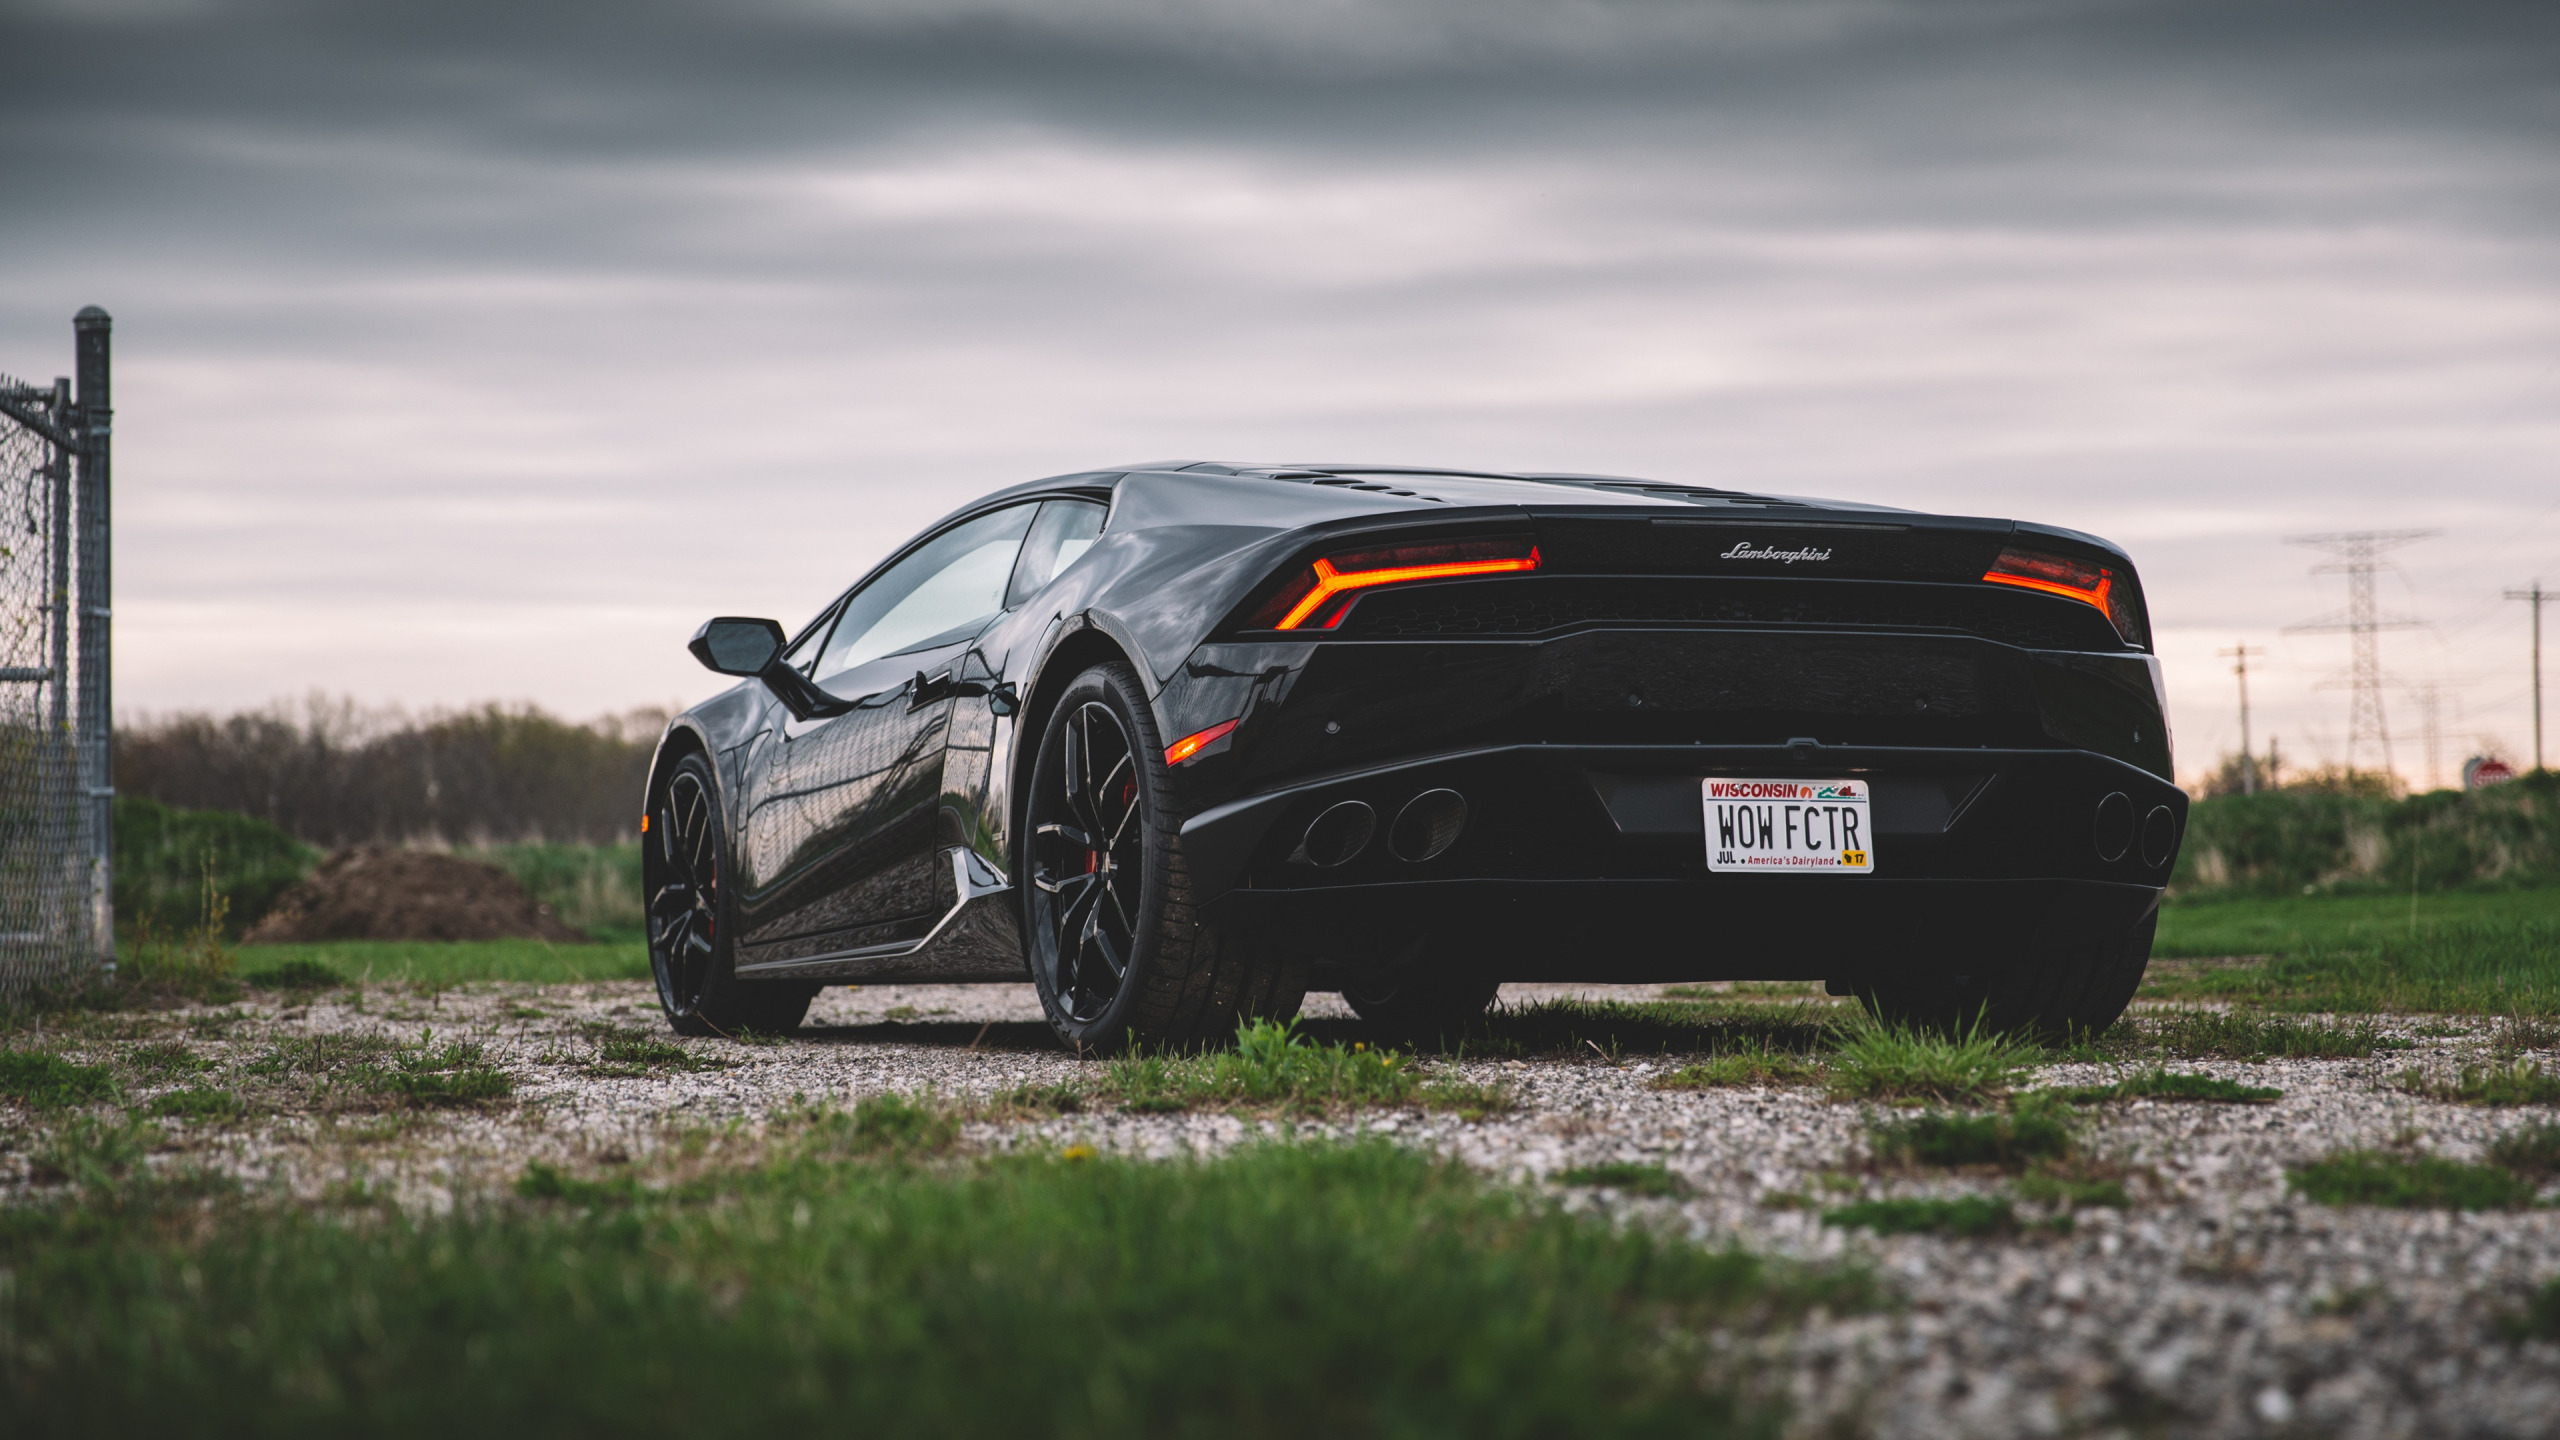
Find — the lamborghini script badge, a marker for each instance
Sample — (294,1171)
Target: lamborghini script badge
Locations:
(1745,550)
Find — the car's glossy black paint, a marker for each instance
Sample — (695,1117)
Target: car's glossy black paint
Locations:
(1576,708)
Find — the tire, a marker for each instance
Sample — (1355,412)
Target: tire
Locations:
(1425,1000)
(1110,925)
(2078,982)
(691,929)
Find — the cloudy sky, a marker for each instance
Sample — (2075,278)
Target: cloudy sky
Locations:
(476,351)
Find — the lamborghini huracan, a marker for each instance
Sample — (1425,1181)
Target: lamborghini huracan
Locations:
(1182,742)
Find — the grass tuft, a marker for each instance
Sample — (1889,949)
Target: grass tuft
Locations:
(199,1104)
(1965,1216)
(1751,1060)
(2034,1132)
(1627,1175)
(622,1052)
(2533,1151)
(2523,1082)
(2246,1035)
(1894,1062)
(2171,1085)
(2539,1319)
(42,1081)
(2410,1182)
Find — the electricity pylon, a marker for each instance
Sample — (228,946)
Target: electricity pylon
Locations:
(2358,553)
(2248,762)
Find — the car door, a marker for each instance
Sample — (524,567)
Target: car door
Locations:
(840,832)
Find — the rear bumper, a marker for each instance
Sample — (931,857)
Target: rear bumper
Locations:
(1582,862)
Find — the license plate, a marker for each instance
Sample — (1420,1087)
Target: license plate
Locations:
(1816,827)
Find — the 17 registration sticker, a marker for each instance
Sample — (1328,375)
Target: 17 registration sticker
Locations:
(1809,826)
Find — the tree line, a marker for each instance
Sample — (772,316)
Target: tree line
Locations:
(333,773)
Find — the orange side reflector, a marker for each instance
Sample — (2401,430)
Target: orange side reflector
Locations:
(1331,582)
(1190,745)
(644,823)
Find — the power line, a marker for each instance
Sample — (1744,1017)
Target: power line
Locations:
(2537,595)
(2358,555)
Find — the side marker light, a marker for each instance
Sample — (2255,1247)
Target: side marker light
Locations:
(1190,745)
(644,822)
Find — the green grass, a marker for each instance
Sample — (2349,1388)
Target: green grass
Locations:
(198,1104)
(2171,1085)
(2410,1182)
(2503,966)
(2532,1151)
(624,1052)
(2208,926)
(376,1068)
(1751,1060)
(1355,1290)
(295,973)
(2524,1082)
(1271,1067)
(1892,1062)
(1613,1029)
(2010,1141)
(2242,1034)
(1633,1178)
(2539,1319)
(1966,1217)
(436,963)
(2072,1192)
(41,1081)
(595,888)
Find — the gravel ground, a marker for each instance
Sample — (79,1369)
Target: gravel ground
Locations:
(2218,1304)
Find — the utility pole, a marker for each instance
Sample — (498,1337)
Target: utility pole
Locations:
(2429,697)
(2537,595)
(2358,553)
(2248,762)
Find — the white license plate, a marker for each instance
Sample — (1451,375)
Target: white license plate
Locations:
(1814,827)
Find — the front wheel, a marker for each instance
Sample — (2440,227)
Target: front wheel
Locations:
(1117,947)
(691,939)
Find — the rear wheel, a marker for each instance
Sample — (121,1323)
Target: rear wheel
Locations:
(2077,982)
(690,934)
(1117,948)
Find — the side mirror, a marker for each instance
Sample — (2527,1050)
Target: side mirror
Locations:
(733,645)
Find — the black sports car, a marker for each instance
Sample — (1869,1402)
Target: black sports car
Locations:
(1182,742)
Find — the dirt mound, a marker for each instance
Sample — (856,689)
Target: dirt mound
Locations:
(373,892)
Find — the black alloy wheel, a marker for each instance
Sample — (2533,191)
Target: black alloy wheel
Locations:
(689,940)
(1088,862)
(1117,948)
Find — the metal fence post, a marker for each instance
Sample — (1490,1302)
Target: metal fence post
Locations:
(96,721)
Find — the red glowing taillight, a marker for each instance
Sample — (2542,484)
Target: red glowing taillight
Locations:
(1320,595)
(2086,581)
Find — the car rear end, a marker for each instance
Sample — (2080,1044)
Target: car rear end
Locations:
(1664,734)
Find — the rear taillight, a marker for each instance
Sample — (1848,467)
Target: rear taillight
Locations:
(2083,580)
(1317,597)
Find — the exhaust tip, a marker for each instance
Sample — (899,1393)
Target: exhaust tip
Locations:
(1337,836)
(2159,836)
(2114,831)
(1427,825)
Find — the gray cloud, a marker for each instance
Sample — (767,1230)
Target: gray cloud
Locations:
(446,334)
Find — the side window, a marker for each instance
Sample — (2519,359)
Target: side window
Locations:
(802,654)
(947,590)
(1065,530)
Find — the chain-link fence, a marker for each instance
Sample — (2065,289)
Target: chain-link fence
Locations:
(56,926)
